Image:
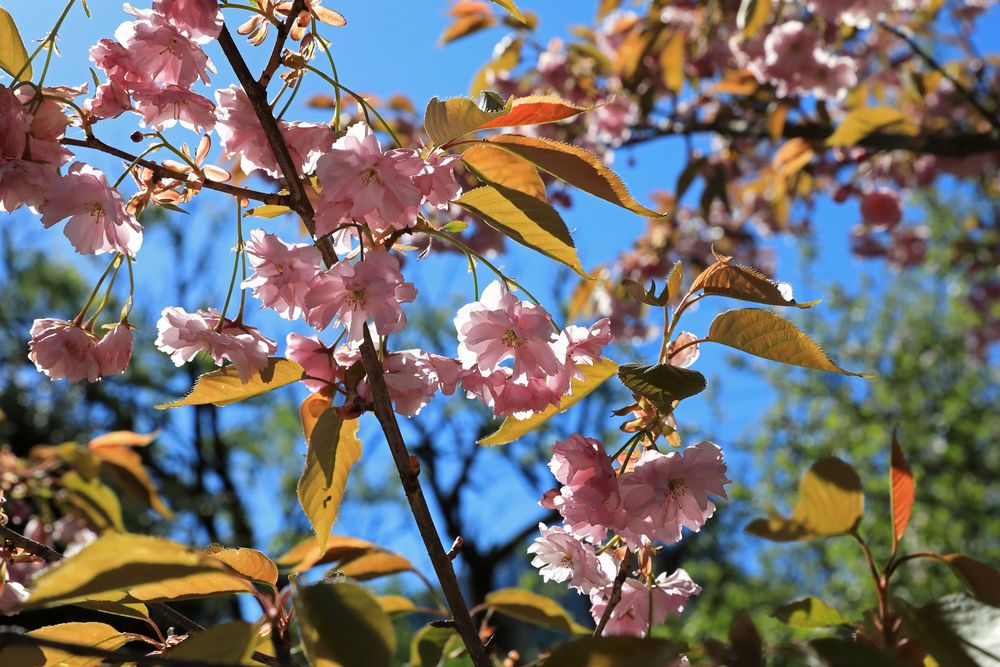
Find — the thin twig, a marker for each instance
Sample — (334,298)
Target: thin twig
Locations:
(418,505)
(616,593)
(163,172)
(279,43)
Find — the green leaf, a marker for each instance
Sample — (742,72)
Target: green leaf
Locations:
(575,166)
(662,384)
(431,646)
(94,500)
(593,377)
(13,55)
(493,165)
(615,652)
(333,450)
(956,630)
(525,219)
(267,211)
(810,612)
(747,284)
(90,635)
(859,123)
(223,387)
(226,644)
(766,334)
(343,626)
(455,226)
(831,502)
(534,609)
(147,568)
(511,9)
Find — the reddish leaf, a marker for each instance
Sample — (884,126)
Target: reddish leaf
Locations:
(534,110)
(903,490)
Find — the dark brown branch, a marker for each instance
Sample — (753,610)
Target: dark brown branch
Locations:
(29,545)
(163,172)
(418,505)
(279,43)
(616,593)
(10,635)
(992,118)
(959,145)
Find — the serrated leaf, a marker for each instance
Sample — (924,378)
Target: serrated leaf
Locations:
(859,123)
(536,110)
(956,630)
(674,281)
(979,578)
(752,16)
(810,612)
(593,377)
(226,644)
(445,120)
(533,608)
(830,502)
(452,119)
(95,501)
(615,652)
(267,211)
(670,290)
(672,62)
(902,491)
(493,165)
(223,387)
(13,55)
(333,450)
(147,568)
(249,563)
(374,565)
(511,9)
(525,219)
(575,166)
(662,384)
(765,334)
(89,635)
(343,626)
(747,284)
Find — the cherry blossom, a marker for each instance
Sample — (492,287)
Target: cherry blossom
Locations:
(589,501)
(166,106)
(183,335)
(317,360)
(200,20)
(24,183)
(64,351)
(283,272)
(14,125)
(881,209)
(160,51)
(115,349)
(561,557)
(412,378)
(436,180)
(686,356)
(98,222)
(642,607)
(372,288)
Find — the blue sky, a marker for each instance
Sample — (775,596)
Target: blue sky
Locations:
(390,46)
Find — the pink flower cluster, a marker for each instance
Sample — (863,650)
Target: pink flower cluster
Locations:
(500,327)
(66,351)
(651,501)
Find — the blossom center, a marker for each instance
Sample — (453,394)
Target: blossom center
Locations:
(370,176)
(510,339)
(95,210)
(676,488)
(356,299)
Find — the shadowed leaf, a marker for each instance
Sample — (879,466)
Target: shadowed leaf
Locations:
(431,645)
(333,450)
(533,608)
(662,384)
(226,644)
(95,500)
(90,635)
(494,165)
(979,578)
(615,652)
(342,625)
(956,630)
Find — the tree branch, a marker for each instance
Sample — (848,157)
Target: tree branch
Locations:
(616,593)
(418,505)
(959,145)
(164,172)
(279,43)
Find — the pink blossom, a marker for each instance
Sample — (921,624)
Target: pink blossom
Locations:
(642,608)
(881,209)
(316,359)
(500,326)
(161,51)
(166,106)
(200,20)
(372,288)
(360,183)
(98,222)
(686,356)
(110,101)
(611,124)
(589,501)
(64,351)
(667,492)
(578,459)
(507,395)
(282,273)
(436,180)
(183,335)
(24,183)
(14,124)
(412,378)
(307,142)
(119,64)
(581,346)
(561,557)
(48,123)
(115,349)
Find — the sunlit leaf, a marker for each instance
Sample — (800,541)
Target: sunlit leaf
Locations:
(223,387)
(267,211)
(339,549)
(752,16)
(395,604)
(525,219)
(122,439)
(533,608)
(859,123)
(615,652)
(312,408)
(148,568)
(575,166)
(90,635)
(536,110)
(124,466)
(830,502)
(466,25)
(512,9)
(123,606)
(903,490)
(662,384)
(979,578)
(445,120)
(494,165)
(506,60)
(956,630)
(249,563)
(333,450)
(13,55)
(593,377)
(792,157)
(226,644)
(747,284)
(810,612)
(672,61)
(374,565)
(95,501)
(766,334)
(342,625)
